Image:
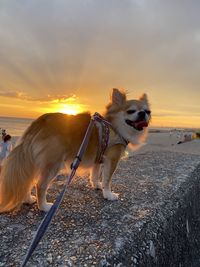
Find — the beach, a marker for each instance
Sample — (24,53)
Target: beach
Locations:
(168,141)
(156,186)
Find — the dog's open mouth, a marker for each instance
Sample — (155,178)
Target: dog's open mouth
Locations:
(138,125)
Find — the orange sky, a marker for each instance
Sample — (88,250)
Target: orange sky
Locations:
(67,56)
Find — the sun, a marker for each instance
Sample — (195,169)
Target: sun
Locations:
(67,106)
(70,109)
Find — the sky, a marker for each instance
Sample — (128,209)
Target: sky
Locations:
(67,55)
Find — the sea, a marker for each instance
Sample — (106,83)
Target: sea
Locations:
(14,126)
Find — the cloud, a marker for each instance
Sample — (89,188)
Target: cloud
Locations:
(48,99)
(54,49)
(176,113)
(62,45)
(11,94)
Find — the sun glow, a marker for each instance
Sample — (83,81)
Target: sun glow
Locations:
(68,106)
(71,109)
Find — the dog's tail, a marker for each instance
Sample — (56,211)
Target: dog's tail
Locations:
(16,178)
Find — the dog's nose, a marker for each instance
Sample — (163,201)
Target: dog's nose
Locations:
(141,115)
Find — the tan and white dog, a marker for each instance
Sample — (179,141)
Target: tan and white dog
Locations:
(54,139)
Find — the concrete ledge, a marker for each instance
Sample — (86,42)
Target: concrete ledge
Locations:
(171,235)
(155,222)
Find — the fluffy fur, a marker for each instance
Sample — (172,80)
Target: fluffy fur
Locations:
(53,140)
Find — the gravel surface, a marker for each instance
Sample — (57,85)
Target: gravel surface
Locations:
(91,231)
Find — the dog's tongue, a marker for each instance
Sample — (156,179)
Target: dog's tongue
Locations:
(140,124)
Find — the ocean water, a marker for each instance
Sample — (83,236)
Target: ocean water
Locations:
(14,126)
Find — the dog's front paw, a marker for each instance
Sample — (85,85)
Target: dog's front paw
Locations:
(97,185)
(109,195)
(30,199)
(46,206)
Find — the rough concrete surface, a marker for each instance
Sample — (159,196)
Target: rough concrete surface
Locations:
(155,222)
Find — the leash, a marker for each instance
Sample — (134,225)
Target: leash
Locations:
(49,216)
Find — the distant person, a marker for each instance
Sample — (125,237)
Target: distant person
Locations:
(198,134)
(5,148)
(186,138)
(3,133)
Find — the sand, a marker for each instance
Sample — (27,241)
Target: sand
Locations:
(168,142)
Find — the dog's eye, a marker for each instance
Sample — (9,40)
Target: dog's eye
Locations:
(148,112)
(131,111)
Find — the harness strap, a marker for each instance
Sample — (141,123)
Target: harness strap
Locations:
(116,139)
(105,131)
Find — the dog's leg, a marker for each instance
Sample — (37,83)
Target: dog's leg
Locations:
(41,196)
(30,199)
(47,175)
(110,164)
(108,170)
(95,176)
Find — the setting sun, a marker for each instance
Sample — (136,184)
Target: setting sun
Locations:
(71,109)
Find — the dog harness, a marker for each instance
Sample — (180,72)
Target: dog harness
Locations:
(108,137)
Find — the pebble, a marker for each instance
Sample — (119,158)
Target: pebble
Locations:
(49,258)
(73,258)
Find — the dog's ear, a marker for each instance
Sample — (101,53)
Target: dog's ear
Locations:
(144,98)
(118,97)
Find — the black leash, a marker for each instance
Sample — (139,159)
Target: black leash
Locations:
(49,216)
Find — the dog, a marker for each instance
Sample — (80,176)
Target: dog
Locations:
(53,140)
